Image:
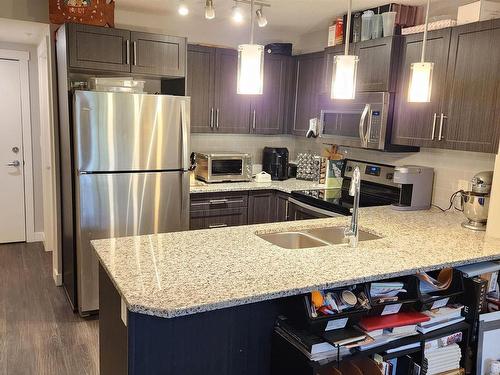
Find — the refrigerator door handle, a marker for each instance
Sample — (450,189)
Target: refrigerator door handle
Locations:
(186,158)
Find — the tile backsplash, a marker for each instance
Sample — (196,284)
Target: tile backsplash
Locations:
(453,169)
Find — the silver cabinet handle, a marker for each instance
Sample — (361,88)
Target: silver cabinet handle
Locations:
(134,48)
(217,118)
(286,210)
(15,163)
(434,125)
(441,122)
(128,52)
(218,201)
(212,117)
(253,120)
(217,226)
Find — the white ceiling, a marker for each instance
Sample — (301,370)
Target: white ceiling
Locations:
(299,17)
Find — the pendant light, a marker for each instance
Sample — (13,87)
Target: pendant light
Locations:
(183,9)
(345,68)
(237,13)
(421,72)
(250,64)
(209,10)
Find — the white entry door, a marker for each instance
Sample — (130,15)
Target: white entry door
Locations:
(12,208)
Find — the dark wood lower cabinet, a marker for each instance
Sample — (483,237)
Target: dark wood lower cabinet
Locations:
(261,207)
(281,206)
(209,219)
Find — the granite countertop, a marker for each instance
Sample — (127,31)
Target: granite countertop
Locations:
(286,186)
(184,273)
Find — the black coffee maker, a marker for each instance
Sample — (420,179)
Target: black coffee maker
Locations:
(275,162)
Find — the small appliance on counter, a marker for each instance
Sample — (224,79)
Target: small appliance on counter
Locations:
(475,203)
(308,166)
(223,167)
(416,187)
(275,162)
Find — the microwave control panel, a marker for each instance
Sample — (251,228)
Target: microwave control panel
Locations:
(376,121)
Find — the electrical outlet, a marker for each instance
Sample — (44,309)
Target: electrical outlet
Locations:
(463,185)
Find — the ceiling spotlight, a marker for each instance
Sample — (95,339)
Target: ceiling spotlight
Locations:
(183,9)
(237,13)
(209,10)
(261,19)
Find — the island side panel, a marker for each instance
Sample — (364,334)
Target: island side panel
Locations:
(113,343)
(222,342)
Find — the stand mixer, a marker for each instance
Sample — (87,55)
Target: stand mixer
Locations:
(475,203)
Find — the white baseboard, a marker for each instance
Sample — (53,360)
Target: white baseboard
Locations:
(35,237)
(57,277)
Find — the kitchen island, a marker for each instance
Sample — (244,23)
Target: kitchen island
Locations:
(204,302)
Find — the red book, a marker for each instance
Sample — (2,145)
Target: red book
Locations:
(372,323)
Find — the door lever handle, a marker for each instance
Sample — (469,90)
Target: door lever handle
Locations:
(15,163)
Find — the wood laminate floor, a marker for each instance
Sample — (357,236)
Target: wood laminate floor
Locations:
(39,334)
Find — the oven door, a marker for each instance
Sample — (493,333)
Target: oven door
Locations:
(362,122)
(302,211)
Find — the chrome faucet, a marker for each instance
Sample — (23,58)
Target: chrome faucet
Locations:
(352,232)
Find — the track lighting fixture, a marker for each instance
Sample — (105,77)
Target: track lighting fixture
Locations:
(209,10)
(261,19)
(183,9)
(237,13)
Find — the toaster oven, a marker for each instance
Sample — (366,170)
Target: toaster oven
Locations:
(223,167)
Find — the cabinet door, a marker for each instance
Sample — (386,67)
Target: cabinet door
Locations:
(160,55)
(281,207)
(98,48)
(330,53)
(290,86)
(308,88)
(232,110)
(473,88)
(417,124)
(378,64)
(268,108)
(210,219)
(200,87)
(261,207)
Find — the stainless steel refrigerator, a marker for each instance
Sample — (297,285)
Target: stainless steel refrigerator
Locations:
(131,162)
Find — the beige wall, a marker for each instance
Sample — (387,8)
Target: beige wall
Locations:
(27,10)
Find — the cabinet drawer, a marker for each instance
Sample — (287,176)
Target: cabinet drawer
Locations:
(203,202)
(218,218)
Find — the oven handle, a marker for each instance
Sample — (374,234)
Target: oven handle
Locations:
(314,209)
(362,134)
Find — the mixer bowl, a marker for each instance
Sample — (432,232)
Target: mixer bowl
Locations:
(475,210)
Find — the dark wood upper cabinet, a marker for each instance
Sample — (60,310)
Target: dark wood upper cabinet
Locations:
(98,48)
(261,207)
(268,109)
(417,124)
(200,87)
(378,64)
(233,110)
(473,88)
(156,54)
(308,87)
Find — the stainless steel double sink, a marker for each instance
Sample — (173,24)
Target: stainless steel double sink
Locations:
(317,237)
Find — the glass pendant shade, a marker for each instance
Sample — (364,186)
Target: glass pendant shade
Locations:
(250,69)
(345,68)
(420,82)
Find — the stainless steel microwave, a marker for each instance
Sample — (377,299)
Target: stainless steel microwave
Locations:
(365,122)
(223,167)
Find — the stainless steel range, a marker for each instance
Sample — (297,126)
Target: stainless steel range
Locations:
(377,189)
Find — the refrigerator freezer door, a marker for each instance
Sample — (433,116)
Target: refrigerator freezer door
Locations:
(124,204)
(130,132)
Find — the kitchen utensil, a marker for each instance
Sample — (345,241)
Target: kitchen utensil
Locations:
(377,26)
(366,25)
(475,203)
(389,21)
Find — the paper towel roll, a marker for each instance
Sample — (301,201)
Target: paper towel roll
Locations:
(493,225)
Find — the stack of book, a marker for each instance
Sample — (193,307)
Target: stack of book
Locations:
(386,291)
(386,328)
(330,344)
(440,318)
(442,359)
